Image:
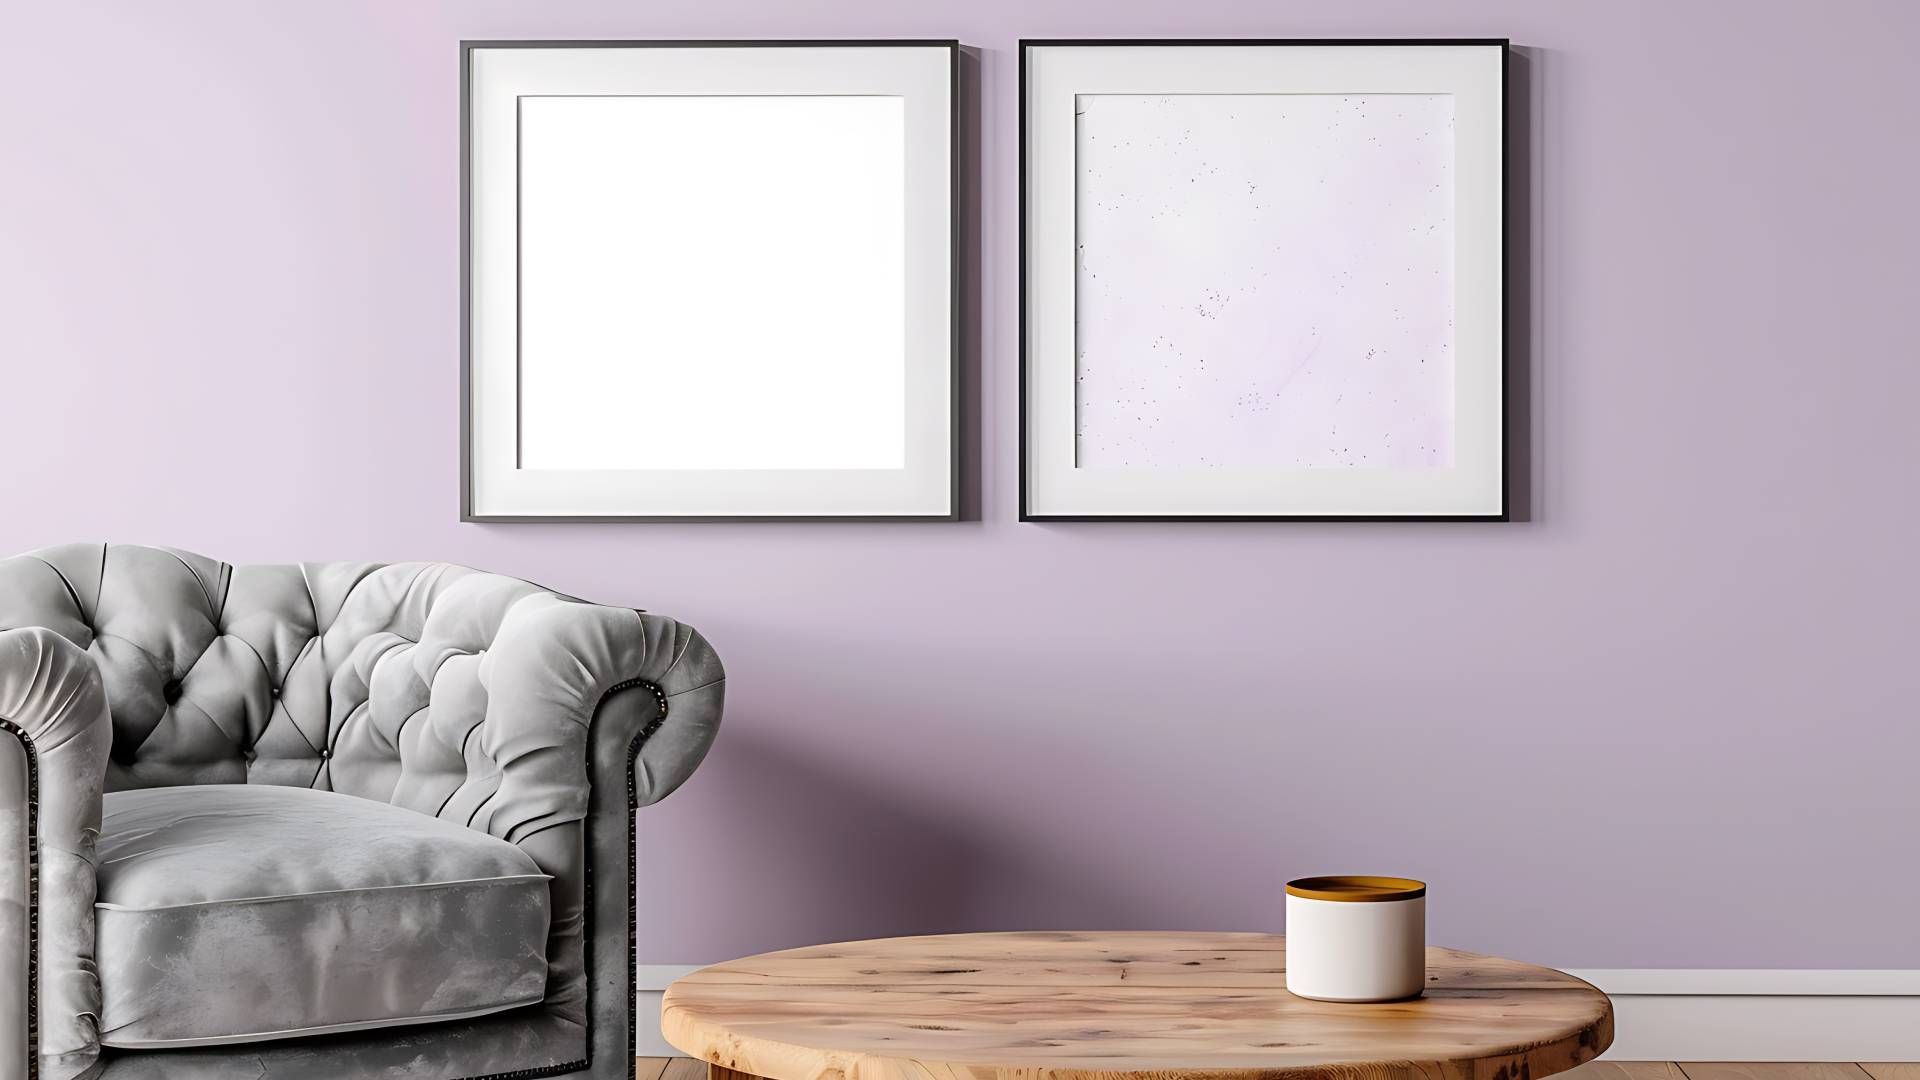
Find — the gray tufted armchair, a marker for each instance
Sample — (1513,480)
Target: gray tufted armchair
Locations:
(325,821)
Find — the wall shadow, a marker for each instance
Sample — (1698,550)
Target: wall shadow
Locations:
(1522,353)
(815,852)
(970,419)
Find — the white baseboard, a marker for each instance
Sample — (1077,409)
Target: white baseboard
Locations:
(647,1040)
(649,982)
(1753,982)
(1781,1027)
(1661,1014)
(1722,1014)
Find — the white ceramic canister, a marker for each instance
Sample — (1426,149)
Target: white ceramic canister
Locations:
(1356,938)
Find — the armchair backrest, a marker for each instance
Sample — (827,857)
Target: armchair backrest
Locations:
(366,679)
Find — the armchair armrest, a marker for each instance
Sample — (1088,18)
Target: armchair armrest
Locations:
(592,712)
(55,734)
(691,686)
(554,667)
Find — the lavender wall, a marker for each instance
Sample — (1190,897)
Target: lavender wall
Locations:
(1648,728)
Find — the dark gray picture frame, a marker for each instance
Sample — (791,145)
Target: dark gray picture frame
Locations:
(1508,429)
(955,272)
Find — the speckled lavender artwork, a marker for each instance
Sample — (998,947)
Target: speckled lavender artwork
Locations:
(1265,281)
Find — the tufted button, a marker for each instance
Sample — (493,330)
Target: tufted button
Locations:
(273,691)
(325,754)
(171,691)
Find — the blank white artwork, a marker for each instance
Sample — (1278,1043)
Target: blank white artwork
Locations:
(1264,281)
(712,282)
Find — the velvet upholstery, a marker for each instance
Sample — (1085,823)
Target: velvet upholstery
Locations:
(233,913)
(477,699)
(55,732)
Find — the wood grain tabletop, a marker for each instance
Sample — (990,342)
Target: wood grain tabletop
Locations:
(1074,1005)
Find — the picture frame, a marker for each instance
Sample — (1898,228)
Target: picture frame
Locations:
(710,280)
(1120,416)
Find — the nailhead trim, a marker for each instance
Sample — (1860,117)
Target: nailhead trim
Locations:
(545,1070)
(33,895)
(633,878)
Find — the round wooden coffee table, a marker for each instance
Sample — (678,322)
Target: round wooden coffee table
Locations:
(1117,1006)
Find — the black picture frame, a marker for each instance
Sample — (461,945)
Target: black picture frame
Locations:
(1506,435)
(956,269)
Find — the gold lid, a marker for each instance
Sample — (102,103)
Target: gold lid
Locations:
(1356,888)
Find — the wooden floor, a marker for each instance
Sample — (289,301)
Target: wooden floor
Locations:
(689,1069)
(674,1069)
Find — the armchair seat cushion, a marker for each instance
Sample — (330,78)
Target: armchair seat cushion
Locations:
(232,913)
